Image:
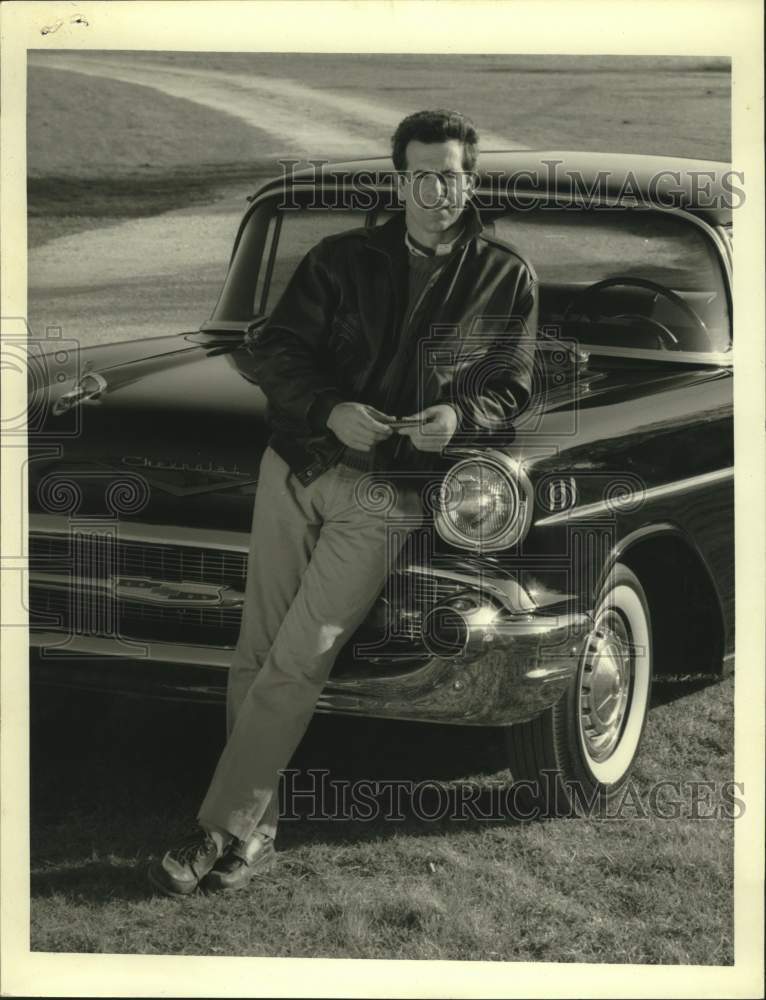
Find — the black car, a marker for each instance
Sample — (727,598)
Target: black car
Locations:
(564,565)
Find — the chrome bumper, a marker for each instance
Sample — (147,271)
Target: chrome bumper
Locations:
(486,654)
(523,671)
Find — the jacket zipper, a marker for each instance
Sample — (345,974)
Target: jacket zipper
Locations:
(405,330)
(428,292)
(403,335)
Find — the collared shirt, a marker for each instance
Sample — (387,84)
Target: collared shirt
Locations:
(420,250)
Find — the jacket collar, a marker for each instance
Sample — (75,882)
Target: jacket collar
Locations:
(390,236)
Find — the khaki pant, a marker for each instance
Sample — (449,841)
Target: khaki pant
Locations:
(319,557)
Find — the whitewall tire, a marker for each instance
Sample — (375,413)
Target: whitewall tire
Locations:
(580,752)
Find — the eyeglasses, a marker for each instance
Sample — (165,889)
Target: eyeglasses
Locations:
(451,179)
(430,188)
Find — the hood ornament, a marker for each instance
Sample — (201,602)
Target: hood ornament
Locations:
(90,386)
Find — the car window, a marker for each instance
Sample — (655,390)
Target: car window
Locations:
(572,246)
(624,278)
(673,295)
(633,278)
(301,230)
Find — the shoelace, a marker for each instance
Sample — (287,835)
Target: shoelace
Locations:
(191,848)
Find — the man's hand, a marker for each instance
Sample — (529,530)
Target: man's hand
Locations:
(358,425)
(437,425)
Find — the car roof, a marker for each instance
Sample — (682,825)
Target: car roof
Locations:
(708,188)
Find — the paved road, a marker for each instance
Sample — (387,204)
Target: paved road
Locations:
(134,279)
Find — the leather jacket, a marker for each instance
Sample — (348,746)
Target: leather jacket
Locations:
(339,320)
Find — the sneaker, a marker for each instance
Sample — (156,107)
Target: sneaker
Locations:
(183,867)
(240,863)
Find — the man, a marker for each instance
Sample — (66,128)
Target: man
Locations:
(338,362)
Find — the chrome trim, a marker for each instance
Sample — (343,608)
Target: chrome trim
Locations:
(162,652)
(224,326)
(715,238)
(512,595)
(155,534)
(523,672)
(507,590)
(724,234)
(653,493)
(80,393)
(719,359)
(144,590)
(471,624)
(518,482)
(605,684)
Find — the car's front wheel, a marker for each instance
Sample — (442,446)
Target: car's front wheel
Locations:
(577,756)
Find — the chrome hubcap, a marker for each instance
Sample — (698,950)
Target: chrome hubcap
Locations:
(605,685)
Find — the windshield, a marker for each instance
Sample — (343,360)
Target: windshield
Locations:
(622,278)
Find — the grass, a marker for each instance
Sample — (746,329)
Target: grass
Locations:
(629,888)
(136,153)
(96,128)
(565,102)
(61,206)
(100,150)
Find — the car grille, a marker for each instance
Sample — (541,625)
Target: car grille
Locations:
(132,619)
(130,558)
(99,559)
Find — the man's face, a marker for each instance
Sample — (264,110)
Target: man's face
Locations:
(434,188)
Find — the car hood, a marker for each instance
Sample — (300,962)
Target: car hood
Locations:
(177,422)
(175,397)
(181,422)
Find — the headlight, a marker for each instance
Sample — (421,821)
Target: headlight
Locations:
(485,503)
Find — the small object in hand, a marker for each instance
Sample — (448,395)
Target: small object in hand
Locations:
(402,422)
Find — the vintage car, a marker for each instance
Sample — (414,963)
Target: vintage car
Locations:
(565,564)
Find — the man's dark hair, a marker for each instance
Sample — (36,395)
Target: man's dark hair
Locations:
(435,126)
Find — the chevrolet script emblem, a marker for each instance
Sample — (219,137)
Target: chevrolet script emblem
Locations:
(141,588)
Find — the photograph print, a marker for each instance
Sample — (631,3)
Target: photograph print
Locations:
(380,505)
